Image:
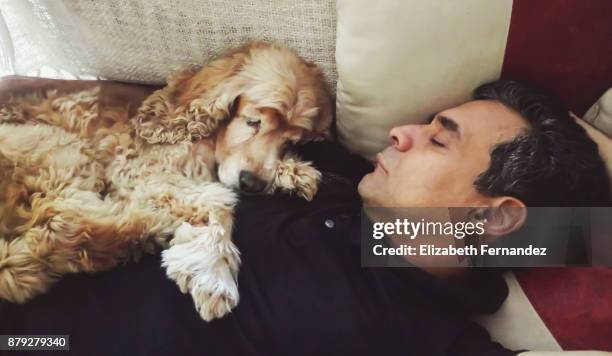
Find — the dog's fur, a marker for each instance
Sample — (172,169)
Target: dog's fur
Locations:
(84,187)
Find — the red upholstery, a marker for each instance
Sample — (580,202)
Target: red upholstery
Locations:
(574,303)
(563,45)
(566,46)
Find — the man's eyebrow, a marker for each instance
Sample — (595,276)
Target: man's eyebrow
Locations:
(448,123)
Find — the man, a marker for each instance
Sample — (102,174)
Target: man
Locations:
(512,147)
(303,291)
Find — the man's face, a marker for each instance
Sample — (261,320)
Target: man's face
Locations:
(435,165)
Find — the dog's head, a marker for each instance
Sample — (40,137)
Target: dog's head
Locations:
(257,101)
(250,146)
(282,102)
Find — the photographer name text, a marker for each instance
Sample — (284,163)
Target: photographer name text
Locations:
(450,250)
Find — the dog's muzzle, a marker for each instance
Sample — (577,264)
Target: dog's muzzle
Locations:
(250,183)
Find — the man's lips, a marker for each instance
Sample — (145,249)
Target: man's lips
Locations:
(380,162)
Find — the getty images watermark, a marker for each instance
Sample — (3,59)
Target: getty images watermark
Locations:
(483,237)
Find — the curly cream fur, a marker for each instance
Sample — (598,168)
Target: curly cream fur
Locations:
(294,175)
(84,187)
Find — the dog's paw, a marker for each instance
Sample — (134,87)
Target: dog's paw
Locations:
(209,275)
(212,287)
(176,270)
(307,180)
(214,293)
(298,177)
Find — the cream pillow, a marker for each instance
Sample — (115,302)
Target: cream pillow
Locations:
(401,61)
(600,114)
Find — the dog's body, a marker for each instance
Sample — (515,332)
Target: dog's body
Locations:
(84,187)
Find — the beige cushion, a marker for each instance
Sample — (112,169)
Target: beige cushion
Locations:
(401,61)
(600,114)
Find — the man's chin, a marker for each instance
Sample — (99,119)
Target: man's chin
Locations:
(366,189)
(362,186)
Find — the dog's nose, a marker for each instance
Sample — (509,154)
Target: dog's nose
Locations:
(250,183)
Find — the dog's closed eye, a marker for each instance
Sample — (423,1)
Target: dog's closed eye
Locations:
(254,122)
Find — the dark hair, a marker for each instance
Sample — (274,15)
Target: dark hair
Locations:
(553,163)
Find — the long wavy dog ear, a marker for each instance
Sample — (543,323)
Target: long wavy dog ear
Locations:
(193,103)
(320,112)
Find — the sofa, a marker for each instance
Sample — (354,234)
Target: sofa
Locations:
(389,62)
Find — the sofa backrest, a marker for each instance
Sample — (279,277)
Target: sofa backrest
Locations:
(143,41)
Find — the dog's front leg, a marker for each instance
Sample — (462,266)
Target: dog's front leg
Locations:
(204,263)
(296,176)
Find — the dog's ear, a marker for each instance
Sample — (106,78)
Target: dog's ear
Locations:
(321,120)
(322,124)
(158,120)
(321,114)
(233,109)
(193,103)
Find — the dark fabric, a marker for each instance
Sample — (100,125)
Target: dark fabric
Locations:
(302,291)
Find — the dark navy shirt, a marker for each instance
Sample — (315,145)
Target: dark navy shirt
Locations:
(302,291)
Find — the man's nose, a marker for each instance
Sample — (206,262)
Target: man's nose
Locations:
(250,183)
(403,137)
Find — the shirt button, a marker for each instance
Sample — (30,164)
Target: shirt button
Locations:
(329,223)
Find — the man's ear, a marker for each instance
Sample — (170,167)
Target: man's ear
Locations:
(504,216)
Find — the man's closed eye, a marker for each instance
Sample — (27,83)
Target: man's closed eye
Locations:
(437,143)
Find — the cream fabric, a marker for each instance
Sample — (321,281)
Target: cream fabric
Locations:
(143,40)
(600,114)
(399,61)
(517,325)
